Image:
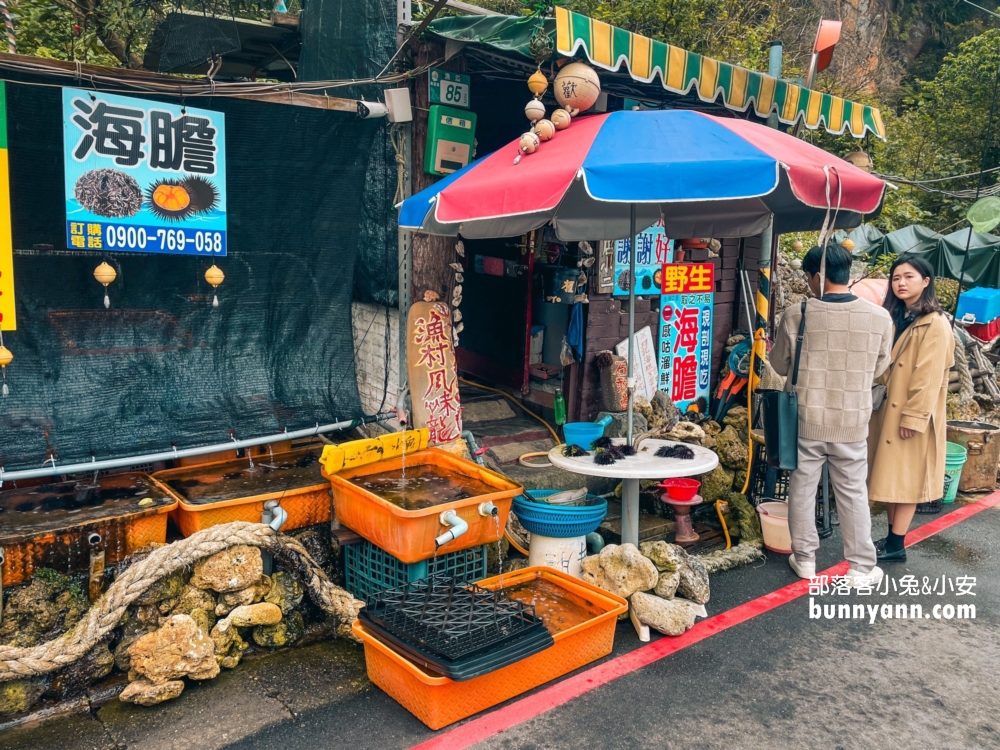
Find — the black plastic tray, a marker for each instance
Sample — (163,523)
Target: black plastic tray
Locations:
(528,644)
(451,619)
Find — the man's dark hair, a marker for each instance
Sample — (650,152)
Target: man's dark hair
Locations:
(838,263)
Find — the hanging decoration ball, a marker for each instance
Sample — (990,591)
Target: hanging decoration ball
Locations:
(6,357)
(561,119)
(215,276)
(538,83)
(861,160)
(105,274)
(529,143)
(797,246)
(534,110)
(577,87)
(848,244)
(544,129)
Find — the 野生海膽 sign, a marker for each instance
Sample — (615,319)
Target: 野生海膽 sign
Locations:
(686,332)
(143,176)
(653,249)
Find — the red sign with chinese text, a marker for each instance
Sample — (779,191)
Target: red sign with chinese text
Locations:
(688,278)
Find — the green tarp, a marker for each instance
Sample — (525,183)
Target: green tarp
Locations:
(945,253)
(501,33)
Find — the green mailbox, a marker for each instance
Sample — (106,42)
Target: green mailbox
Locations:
(451,134)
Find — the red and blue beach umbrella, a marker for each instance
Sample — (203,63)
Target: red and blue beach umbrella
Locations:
(705,176)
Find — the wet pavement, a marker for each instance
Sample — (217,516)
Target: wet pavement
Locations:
(778,680)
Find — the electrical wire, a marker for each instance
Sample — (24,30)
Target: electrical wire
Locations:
(190,87)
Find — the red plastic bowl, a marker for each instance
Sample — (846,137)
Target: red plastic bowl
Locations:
(681,489)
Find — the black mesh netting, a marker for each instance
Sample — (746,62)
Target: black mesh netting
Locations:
(186,39)
(162,365)
(355,40)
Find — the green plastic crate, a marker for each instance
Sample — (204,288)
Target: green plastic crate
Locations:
(370,570)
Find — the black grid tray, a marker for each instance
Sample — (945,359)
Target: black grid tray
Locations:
(529,643)
(451,619)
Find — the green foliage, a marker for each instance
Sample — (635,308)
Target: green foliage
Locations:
(942,130)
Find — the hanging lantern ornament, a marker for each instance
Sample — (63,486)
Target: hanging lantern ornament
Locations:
(538,83)
(534,110)
(577,88)
(215,276)
(105,274)
(6,357)
(561,119)
(528,144)
(544,129)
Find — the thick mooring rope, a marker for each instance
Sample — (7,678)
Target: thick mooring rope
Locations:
(107,613)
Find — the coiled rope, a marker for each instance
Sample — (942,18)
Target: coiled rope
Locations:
(106,614)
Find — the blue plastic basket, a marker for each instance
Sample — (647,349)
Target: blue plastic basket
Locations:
(370,570)
(559,521)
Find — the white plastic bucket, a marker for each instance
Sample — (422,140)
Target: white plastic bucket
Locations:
(561,554)
(774,526)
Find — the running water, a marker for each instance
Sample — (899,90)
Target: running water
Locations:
(403,465)
(249,453)
(496,520)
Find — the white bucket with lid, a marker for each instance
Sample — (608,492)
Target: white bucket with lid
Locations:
(774,526)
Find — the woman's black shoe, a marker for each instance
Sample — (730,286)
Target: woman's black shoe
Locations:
(894,556)
(883,556)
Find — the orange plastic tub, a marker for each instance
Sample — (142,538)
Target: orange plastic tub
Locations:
(226,491)
(50,525)
(409,534)
(438,701)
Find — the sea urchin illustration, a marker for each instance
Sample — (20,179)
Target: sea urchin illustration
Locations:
(108,192)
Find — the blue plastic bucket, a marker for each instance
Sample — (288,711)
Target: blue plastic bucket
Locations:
(582,434)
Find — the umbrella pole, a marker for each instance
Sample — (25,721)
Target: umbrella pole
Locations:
(630,487)
(631,319)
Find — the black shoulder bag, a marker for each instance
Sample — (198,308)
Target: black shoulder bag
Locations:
(781,415)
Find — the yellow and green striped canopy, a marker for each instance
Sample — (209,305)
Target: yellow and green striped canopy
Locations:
(680,71)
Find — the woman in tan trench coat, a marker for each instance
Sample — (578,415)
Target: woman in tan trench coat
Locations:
(907,435)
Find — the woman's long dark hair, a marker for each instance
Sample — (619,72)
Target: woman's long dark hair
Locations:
(928,301)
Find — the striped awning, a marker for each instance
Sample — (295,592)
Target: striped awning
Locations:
(681,72)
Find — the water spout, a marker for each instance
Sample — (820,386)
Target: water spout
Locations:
(457,524)
(402,413)
(488,509)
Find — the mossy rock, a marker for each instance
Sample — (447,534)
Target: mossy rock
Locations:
(170,587)
(43,610)
(731,448)
(717,483)
(290,629)
(17,696)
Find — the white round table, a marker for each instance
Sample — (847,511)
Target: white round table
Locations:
(644,465)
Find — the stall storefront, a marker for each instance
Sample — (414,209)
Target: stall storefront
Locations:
(535,312)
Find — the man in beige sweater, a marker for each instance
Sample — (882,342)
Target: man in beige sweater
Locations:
(846,345)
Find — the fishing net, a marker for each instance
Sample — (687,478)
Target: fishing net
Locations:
(162,366)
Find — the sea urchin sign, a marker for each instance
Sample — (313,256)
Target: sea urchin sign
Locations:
(108,192)
(175,200)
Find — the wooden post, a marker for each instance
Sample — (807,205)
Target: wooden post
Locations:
(431,255)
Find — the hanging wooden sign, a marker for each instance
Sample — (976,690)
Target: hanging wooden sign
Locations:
(7,320)
(432,371)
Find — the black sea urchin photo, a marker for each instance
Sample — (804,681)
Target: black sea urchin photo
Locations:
(108,192)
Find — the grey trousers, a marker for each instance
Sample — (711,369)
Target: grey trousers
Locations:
(848,476)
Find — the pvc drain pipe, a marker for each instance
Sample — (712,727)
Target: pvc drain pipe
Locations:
(457,524)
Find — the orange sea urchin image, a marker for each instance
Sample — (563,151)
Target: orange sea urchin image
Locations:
(176,200)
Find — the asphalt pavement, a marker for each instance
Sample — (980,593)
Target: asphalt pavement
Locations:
(780,679)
